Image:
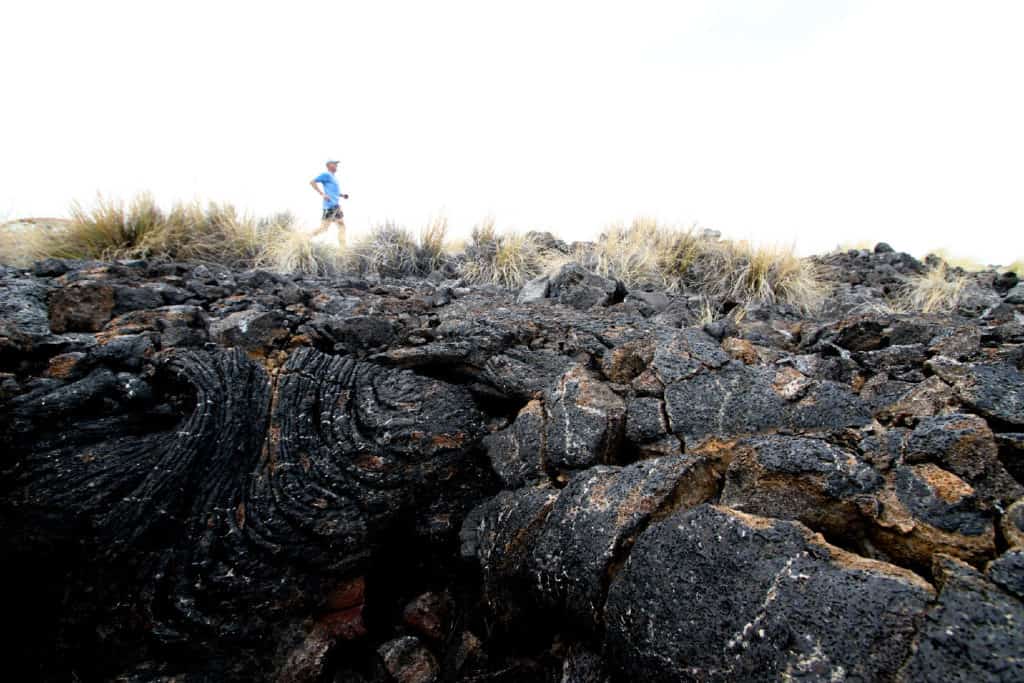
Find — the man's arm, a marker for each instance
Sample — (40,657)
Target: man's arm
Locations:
(313,184)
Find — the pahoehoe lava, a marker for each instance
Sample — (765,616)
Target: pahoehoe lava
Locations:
(210,475)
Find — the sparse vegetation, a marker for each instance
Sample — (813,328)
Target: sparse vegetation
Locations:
(508,259)
(111,229)
(1016,267)
(646,252)
(388,250)
(709,313)
(937,291)
(391,250)
(217,233)
(27,240)
(296,252)
(765,274)
(626,254)
(433,248)
(686,260)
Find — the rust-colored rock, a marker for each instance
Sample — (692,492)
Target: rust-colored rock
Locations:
(931,397)
(1013,525)
(81,307)
(428,615)
(925,511)
(740,349)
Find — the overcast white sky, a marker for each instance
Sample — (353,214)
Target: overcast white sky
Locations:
(807,121)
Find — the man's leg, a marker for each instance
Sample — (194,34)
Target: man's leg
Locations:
(341,232)
(325,220)
(323,226)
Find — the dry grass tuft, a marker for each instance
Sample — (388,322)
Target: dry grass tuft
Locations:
(745,273)
(111,229)
(388,250)
(296,252)
(217,233)
(626,254)
(507,260)
(937,291)
(1016,267)
(455,246)
(708,314)
(391,250)
(645,252)
(433,248)
(24,241)
(686,260)
(774,275)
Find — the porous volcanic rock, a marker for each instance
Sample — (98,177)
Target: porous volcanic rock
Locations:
(209,474)
(714,594)
(974,630)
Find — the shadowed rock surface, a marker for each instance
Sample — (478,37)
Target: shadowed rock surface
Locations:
(210,475)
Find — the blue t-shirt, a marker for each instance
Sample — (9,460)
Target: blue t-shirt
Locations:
(330,184)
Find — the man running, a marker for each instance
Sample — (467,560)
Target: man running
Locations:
(331,194)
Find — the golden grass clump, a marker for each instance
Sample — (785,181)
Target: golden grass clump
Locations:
(455,246)
(676,253)
(746,273)
(388,250)
(296,252)
(626,254)
(645,252)
(767,274)
(109,229)
(139,228)
(216,233)
(507,260)
(391,250)
(24,241)
(686,260)
(936,291)
(433,247)
(619,254)
(1016,267)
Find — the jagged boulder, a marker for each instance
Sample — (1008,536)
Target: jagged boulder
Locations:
(518,453)
(584,421)
(994,390)
(595,520)
(926,510)
(1015,295)
(24,321)
(714,594)
(500,535)
(974,631)
(826,488)
(741,399)
(965,446)
(575,286)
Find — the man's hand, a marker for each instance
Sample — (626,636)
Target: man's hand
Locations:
(344,196)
